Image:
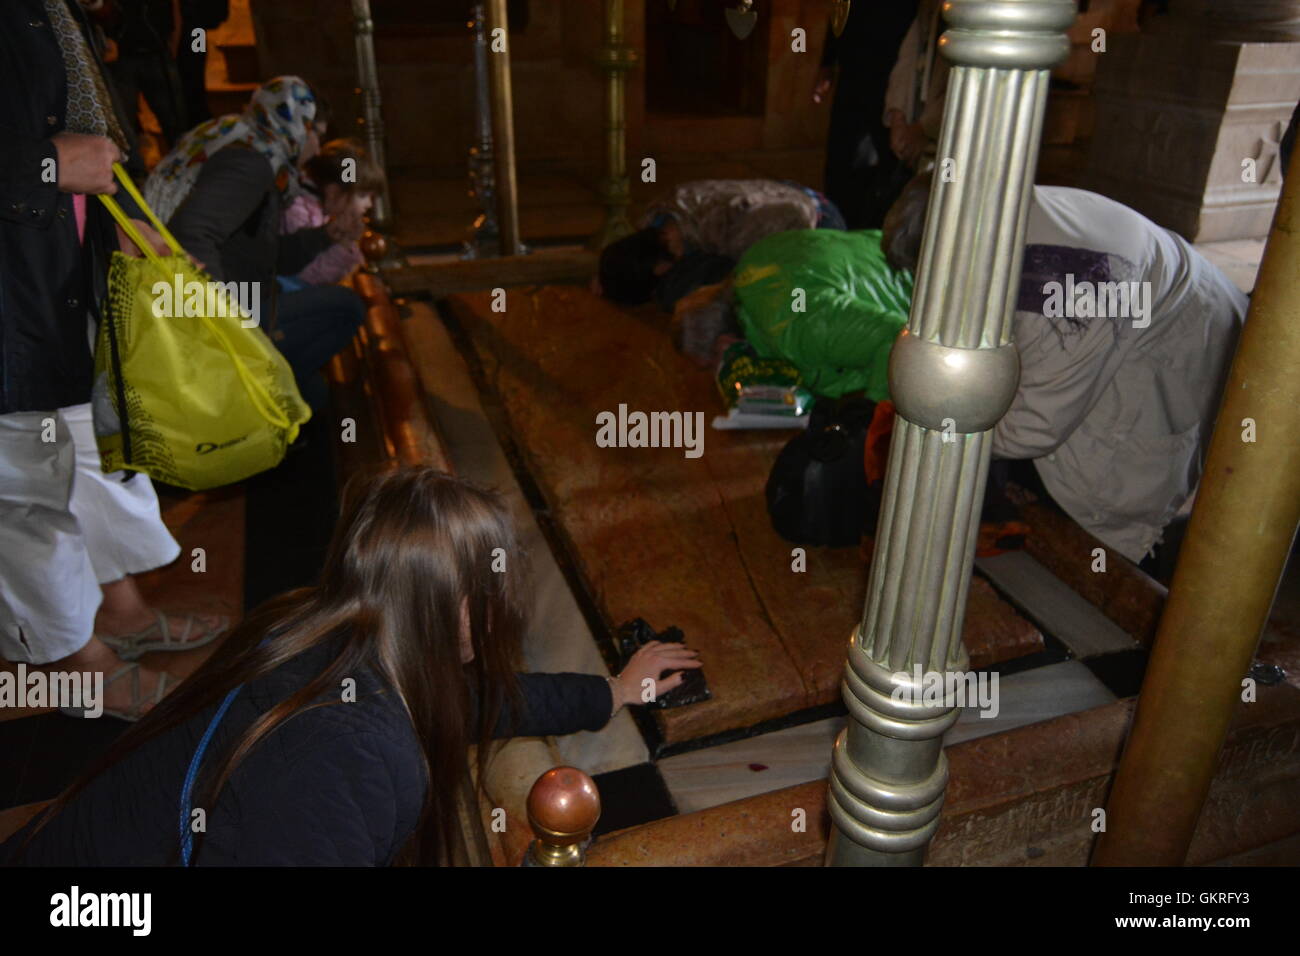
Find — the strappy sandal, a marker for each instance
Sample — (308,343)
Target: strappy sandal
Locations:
(131,647)
(139,707)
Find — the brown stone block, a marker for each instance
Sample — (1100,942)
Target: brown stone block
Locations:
(1026,797)
(1128,596)
(511,771)
(757,831)
(992,631)
(646,525)
(1177,114)
(678,541)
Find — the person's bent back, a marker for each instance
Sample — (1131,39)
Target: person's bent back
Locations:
(1125,333)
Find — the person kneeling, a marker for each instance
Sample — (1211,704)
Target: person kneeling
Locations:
(1124,333)
(339,715)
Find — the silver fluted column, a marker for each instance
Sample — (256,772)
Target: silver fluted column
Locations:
(952,374)
(484,236)
(372,119)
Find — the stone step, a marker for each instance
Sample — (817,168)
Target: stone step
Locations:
(1025,797)
(1053,606)
(1126,595)
(677,540)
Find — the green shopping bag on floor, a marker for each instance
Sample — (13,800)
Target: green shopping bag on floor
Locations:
(187,389)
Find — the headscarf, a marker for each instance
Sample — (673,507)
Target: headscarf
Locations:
(276,124)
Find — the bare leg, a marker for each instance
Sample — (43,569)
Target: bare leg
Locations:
(124,611)
(98,656)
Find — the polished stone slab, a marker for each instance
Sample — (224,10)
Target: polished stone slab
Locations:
(680,540)
(1031,697)
(784,758)
(1026,797)
(744,768)
(1053,606)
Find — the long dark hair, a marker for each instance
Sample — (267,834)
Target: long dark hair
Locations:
(412,546)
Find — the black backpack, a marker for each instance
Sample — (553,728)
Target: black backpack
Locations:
(817,491)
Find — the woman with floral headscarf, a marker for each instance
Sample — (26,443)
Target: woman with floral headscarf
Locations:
(221,191)
(277,123)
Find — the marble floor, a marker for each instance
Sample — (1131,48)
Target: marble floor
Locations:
(783,758)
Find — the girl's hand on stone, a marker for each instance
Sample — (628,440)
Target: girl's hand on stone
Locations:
(648,663)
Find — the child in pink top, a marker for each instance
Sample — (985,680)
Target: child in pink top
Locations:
(339,181)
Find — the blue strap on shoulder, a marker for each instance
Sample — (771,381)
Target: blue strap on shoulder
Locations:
(187,835)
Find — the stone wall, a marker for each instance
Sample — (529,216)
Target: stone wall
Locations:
(1190,113)
(426,78)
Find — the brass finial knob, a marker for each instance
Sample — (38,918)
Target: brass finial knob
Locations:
(373,246)
(563,808)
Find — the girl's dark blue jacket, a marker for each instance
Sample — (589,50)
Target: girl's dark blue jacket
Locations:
(339,785)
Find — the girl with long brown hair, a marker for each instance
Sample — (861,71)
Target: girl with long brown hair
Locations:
(332,725)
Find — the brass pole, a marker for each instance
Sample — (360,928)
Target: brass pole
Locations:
(1232,559)
(952,374)
(503,128)
(372,119)
(483,239)
(615,59)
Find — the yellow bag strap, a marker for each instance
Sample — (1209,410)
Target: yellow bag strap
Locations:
(257,391)
(123,221)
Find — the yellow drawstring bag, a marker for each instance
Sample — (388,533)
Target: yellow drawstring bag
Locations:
(187,389)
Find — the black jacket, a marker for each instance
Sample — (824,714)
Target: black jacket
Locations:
(230,221)
(49,283)
(338,785)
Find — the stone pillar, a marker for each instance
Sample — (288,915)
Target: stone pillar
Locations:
(952,374)
(1189,114)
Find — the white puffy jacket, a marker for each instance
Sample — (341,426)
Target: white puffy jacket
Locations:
(1116,410)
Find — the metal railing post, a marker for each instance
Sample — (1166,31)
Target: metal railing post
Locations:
(952,374)
(372,119)
(503,129)
(484,238)
(615,59)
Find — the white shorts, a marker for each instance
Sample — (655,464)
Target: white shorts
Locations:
(65,528)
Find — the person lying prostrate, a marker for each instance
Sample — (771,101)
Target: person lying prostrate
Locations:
(345,742)
(693,236)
